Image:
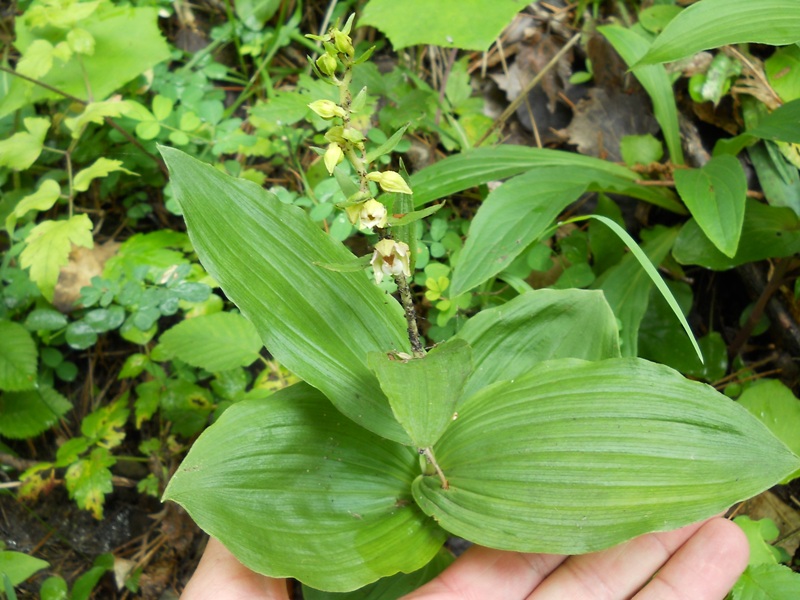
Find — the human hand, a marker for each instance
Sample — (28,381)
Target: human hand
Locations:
(698,562)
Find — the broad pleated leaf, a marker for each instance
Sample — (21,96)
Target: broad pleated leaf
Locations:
(217,342)
(318,323)
(511,218)
(577,456)
(767,232)
(627,286)
(715,195)
(295,489)
(714,23)
(390,588)
(475,167)
(654,79)
(508,340)
(423,392)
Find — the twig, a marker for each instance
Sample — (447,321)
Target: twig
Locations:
(511,108)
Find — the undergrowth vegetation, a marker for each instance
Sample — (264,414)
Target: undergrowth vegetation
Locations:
(452,203)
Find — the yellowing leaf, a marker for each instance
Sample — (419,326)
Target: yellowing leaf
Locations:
(48,248)
(95,112)
(89,479)
(81,41)
(100,168)
(41,199)
(106,424)
(22,149)
(62,15)
(37,60)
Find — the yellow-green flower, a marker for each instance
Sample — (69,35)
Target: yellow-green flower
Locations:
(327,109)
(333,156)
(327,64)
(390,258)
(343,43)
(390,181)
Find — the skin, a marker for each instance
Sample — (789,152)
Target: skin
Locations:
(698,562)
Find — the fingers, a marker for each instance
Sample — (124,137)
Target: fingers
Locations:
(615,573)
(481,573)
(705,568)
(219,576)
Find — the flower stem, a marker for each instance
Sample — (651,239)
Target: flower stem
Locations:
(411,314)
(428,454)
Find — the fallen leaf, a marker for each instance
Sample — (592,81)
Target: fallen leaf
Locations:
(84,263)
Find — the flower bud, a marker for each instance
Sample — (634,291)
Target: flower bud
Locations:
(334,134)
(333,156)
(390,181)
(327,109)
(353,135)
(327,64)
(390,258)
(343,43)
(372,214)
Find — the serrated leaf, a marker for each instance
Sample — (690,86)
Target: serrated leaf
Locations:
(18,566)
(88,481)
(37,60)
(319,324)
(452,24)
(508,340)
(127,43)
(423,391)
(715,195)
(585,455)
(48,246)
(759,533)
(714,23)
(294,473)
(106,425)
(22,149)
(27,414)
(216,342)
(767,582)
(42,199)
(17,357)
(99,168)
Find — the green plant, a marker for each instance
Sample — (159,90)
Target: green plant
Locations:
(526,430)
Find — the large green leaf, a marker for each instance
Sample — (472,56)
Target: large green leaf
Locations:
(27,414)
(423,391)
(714,23)
(715,195)
(17,357)
(508,340)
(127,43)
(320,324)
(627,286)
(654,79)
(767,232)
(217,342)
(510,219)
(295,489)
(469,169)
(577,456)
(448,23)
(389,588)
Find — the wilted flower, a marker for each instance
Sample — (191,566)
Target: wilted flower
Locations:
(390,258)
(372,214)
(327,109)
(333,156)
(390,182)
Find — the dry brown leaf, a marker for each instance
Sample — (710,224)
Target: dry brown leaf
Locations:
(84,263)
